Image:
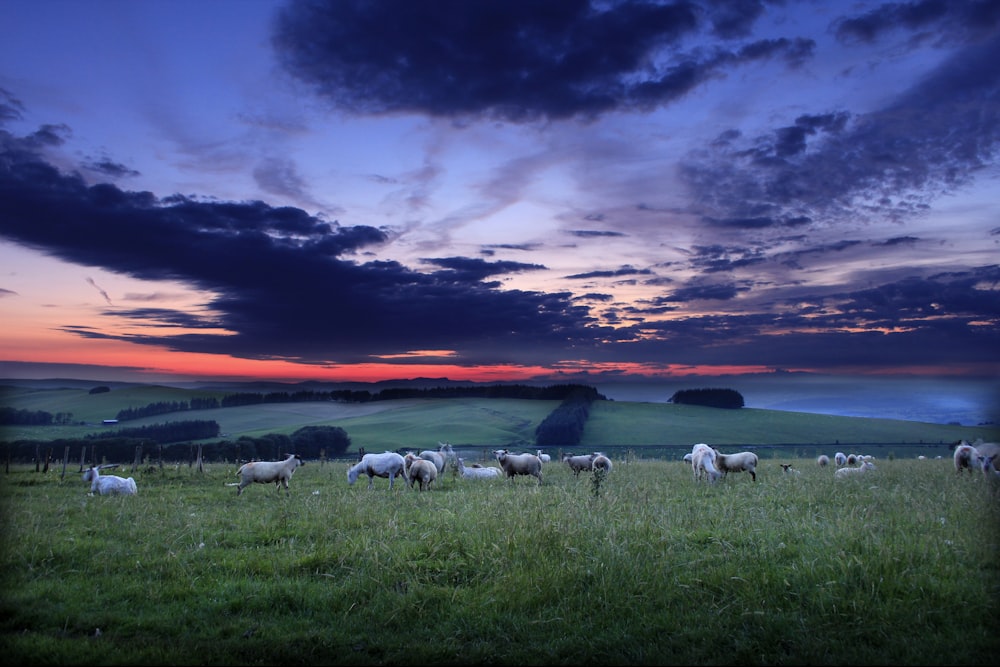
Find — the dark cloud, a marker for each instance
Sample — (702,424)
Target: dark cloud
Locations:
(616,273)
(931,140)
(516,60)
(282,281)
(110,168)
(944,19)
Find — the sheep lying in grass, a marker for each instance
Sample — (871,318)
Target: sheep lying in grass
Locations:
(109,485)
(852,472)
(419,470)
(265,472)
(788,469)
(823,460)
(727,463)
(488,472)
(519,464)
(703,463)
(386,464)
(966,457)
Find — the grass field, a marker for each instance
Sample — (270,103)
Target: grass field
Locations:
(490,423)
(642,567)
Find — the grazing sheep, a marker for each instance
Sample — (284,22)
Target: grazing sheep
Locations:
(386,464)
(851,472)
(422,471)
(601,462)
(823,460)
(109,485)
(840,458)
(966,457)
(788,469)
(477,472)
(703,463)
(544,457)
(579,462)
(687,458)
(265,472)
(727,463)
(519,464)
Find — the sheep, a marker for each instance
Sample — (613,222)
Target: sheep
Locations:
(519,464)
(109,485)
(727,463)
(788,469)
(687,458)
(601,462)
(840,458)
(265,472)
(703,462)
(422,471)
(477,472)
(966,457)
(439,456)
(849,472)
(823,460)
(386,464)
(579,462)
(544,457)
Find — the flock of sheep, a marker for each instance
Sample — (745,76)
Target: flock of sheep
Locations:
(424,468)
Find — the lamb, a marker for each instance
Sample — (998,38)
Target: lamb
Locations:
(477,472)
(840,458)
(519,464)
(265,472)
(703,462)
(853,472)
(788,469)
(544,457)
(579,462)
(386,464)
(727,463)
(109,485)
(601,462)
(421,471)
(823,460)
(966,457)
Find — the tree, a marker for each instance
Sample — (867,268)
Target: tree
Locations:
(713,398)
(309,441)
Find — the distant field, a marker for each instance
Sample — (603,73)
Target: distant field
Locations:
(476,423)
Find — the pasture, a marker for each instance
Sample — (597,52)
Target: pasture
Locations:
(641,566)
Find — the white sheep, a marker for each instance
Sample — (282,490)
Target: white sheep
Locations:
(265,472)
(840,458)
(738,462)
(386,464)
(109,485)
(850,472)
(479,472)
(543,456)
(579,462)
(519,464)
(420,471)
(966,457)
(788,469)
(687,458)
(703,463)
(823,460)
(601,462)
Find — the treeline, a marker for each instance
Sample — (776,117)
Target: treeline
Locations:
(309,442)
(11,416)
(713,398)
(564,425)
(165,433)
(14,417)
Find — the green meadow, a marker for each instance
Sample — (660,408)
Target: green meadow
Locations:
(643,566)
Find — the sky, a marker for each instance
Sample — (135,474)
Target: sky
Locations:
(498,190)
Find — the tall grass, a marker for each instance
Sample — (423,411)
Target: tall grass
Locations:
(641,566)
